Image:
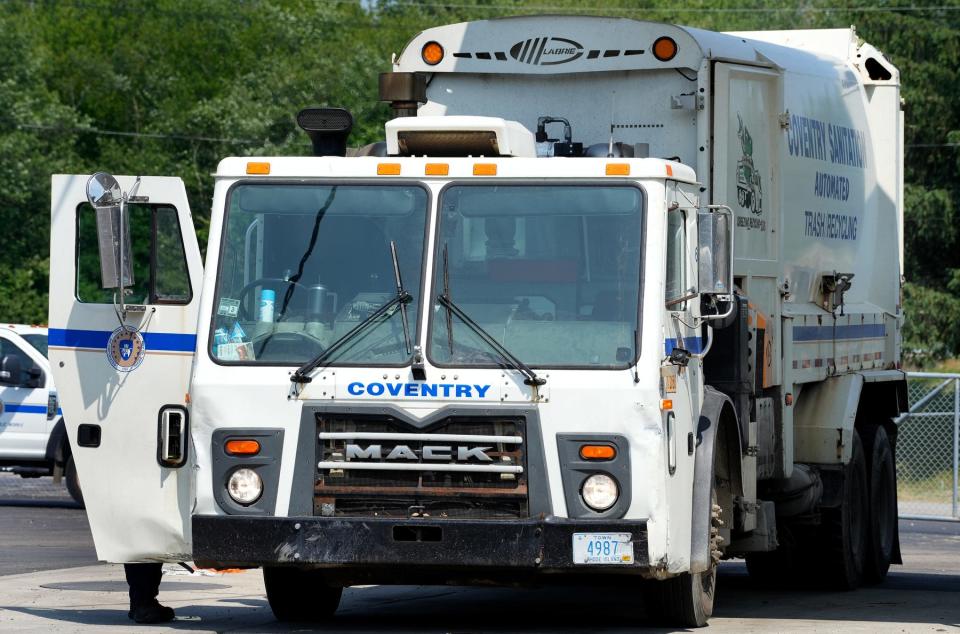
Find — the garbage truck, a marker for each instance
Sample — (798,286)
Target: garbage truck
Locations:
(611,301)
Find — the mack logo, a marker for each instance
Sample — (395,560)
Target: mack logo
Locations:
(428,452)
(546,51)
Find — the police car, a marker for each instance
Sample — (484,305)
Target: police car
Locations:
(33,439)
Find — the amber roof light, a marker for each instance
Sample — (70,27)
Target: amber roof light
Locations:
(664,49)
(432,53)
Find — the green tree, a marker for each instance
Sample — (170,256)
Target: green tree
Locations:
(172,86)
(929,332)
(32,147)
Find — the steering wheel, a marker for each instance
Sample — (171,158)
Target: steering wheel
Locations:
(273,282)
(300,342)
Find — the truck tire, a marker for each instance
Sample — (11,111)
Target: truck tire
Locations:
(882,524)
(687,599)
(73,482)
(682,601)
(301,595)
(844,535)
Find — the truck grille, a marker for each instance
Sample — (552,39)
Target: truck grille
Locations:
(459,467)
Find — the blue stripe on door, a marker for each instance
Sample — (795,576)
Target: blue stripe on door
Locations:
(78,338)
(154,341)
(19,408)
(170,341)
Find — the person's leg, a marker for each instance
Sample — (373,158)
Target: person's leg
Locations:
(144,582)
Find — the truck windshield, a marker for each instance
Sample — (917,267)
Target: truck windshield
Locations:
(552,272)
(301,265)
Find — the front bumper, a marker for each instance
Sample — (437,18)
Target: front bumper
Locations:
(535,545)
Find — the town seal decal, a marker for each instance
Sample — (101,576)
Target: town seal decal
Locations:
(125,349)
(749,184)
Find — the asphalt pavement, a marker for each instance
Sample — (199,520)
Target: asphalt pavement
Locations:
(49,582)
(41,527)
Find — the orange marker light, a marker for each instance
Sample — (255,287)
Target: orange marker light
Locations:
(436,169)
(664,49)
(242,447)
(485,169)
(598,452)
(666,403)
(388,169)
(669,171)
(258,168)
(432,53)
(618,169)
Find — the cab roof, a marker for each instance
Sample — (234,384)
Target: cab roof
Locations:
(446,168)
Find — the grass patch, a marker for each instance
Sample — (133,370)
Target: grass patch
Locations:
(935,488)
(948,366)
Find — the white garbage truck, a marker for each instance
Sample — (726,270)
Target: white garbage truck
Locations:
(613,300)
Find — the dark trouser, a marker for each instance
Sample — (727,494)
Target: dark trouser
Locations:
(144,582)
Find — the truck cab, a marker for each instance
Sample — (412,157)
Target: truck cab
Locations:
(431,411)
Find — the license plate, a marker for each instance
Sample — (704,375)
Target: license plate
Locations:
(602,548)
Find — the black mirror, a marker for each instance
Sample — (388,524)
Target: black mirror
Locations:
(34,377)
(11,371)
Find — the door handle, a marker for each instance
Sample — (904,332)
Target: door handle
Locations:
(172,436)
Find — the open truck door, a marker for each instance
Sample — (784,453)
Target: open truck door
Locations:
(125,283)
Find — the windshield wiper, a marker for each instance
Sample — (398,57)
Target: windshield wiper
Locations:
(401,299)
(401,292)
(300,376)
(509,359)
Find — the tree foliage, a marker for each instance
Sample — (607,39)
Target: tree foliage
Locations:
(929,330)
(172,86)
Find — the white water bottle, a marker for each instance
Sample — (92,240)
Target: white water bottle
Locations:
(268,298)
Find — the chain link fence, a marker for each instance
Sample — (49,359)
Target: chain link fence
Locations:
(927,448)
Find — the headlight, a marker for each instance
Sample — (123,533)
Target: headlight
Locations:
(245,486)
(599,492)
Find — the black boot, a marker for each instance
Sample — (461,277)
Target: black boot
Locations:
(150,612)
(144,581)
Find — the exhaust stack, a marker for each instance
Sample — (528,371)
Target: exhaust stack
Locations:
(328,129)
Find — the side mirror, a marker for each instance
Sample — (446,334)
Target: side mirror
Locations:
(113,231)
(103,191)
(715,250)
(34,377)
(11,371)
